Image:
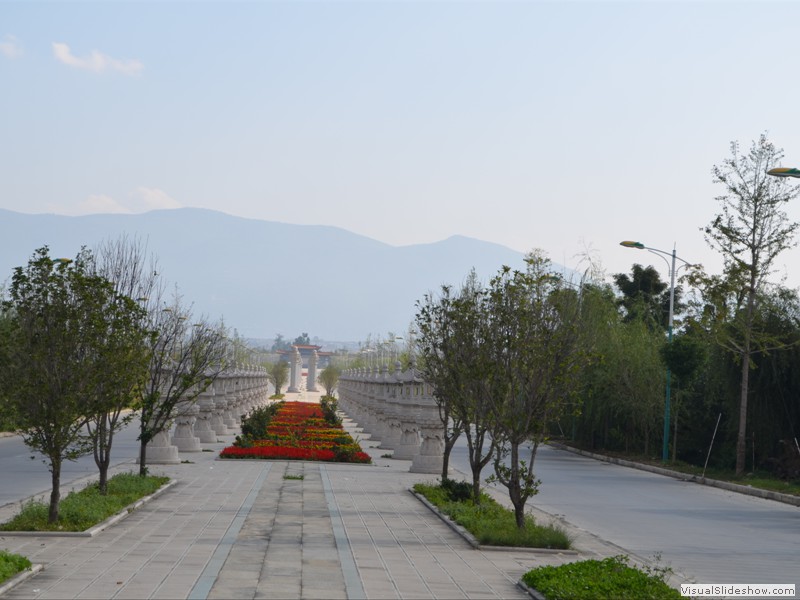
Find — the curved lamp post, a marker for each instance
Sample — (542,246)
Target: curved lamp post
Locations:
(672,270)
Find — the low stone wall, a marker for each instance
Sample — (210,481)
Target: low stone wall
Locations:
(214,412)
(397,408)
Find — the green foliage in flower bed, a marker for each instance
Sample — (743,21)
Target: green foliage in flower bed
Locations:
(329,406)
(609,579)
(86,508)
(11,564)
(490,523)
(255,423)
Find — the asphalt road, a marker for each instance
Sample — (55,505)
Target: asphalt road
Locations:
(707,534)
(23,472)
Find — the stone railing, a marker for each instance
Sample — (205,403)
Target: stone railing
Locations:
(399,409)
(214,412)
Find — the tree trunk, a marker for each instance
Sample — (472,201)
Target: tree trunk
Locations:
(741,438)
(448,447)
(515,493)
(143,459)
(55,493)
(102,452)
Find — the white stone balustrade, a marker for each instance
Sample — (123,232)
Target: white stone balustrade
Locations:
(398,409)
(217,410)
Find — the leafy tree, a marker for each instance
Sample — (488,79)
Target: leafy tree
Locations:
(439,365)
(533,342)
(302,340)
(7,420)
(645,297)
(685,356)
(60,349)
(185,359)
(751,230)
(278,373)
(329,378)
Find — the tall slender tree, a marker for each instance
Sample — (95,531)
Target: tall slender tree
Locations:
(134,273)
(750,232)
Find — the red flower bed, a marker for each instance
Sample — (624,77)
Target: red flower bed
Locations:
(299,432)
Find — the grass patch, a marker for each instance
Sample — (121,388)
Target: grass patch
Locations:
(11,564)
(80,510)
(611,579)
(491,523)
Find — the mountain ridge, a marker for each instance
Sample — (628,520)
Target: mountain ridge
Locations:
(267,277)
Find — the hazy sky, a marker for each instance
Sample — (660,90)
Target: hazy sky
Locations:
(559,125)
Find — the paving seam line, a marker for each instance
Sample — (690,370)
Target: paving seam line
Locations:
(352,580)
(209,575)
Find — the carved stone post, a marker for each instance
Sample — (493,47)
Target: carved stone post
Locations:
(202,426)
(296,370)
(160,451)
(220,404)
(430,458)
(184,438)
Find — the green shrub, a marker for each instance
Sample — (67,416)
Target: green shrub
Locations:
(329,407)
(457,491)
(255,423)
(11,564)
(611,579)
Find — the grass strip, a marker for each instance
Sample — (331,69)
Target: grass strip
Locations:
(11,564)
(609,579)
(80,510)
(491,523)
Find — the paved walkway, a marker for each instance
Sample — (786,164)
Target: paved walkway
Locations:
(248,529)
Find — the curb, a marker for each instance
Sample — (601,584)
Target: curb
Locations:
(93,531)
(19,578)
(535,594)
(472,541)
(725,485)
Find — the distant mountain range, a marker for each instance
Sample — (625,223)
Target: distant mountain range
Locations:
(265,277)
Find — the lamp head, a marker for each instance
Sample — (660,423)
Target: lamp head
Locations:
(629,244)
(784,172)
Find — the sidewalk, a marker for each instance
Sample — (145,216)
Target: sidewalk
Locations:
(239,529)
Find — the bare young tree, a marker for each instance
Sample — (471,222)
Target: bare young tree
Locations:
(134,273)
(186,356)
(750,232)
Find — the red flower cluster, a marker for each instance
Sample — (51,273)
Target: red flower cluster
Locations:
(298,432)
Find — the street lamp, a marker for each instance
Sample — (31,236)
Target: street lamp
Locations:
(672,270)
(784,172)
